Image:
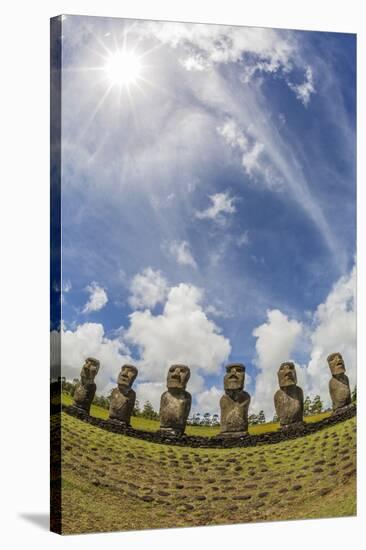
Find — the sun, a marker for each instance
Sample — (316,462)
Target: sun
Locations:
(123,68)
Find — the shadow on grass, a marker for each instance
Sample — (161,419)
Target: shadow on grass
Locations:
(41,520)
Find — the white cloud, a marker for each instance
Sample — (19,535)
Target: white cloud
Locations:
(331,328)
(233,135)
(222,203)
(251,150)
(275,341)
(150,391)
(243,239)
(194,63)
(208,401)
(97,299)
(86,340)
(66,286)
(335,330)
(260,50)
(148,288)
(181,333)
(181,252)
(250,158)
(303,91)
(207,45)
(218,310)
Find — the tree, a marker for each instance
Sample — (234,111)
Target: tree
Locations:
(215,420)
(253,419)
(196,419)
(207,418)
(307,405)
(261,417)
(149,412)
(317,405)
(354,395)
(275,418)
(101,401)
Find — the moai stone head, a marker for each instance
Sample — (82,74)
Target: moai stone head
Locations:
(86,388)
(287,375)
(339,389)
(126,377)
(178,376)
(336,364)
(89,371)
(234,377)
(123,398)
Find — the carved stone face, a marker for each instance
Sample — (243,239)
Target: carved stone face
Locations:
(178,376)
(287,375)
(127,376)
(89,371)
(234,377)
(336,363)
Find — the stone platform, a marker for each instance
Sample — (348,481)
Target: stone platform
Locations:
(213,442)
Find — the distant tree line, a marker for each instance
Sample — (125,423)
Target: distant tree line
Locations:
(259,418)
(314,406)
(147,411)
(206,419)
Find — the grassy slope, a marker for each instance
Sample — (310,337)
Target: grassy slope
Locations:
(153,425)
(112,482)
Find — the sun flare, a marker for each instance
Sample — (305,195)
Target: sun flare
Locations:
(123,68)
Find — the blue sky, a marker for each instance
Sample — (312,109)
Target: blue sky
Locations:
(208,204)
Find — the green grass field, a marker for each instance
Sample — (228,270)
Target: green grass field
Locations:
(113,482)
(153,425)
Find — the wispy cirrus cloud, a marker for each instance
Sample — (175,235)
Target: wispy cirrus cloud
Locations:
(305,89)
(243,239)
(251,151)
(181,252)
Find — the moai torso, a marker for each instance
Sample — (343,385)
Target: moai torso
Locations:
(123,397)
(175,403)
(340,392)
(339,389)
(121,406)
(234,404)
(289,405)
(174,411)
(86,388)
(84,395)
(289,399)
(234,412)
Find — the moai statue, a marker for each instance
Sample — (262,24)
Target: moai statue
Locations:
(289,399)
(175,403)
(85,389)
(123,398)
(234,404)
(339,389)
